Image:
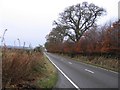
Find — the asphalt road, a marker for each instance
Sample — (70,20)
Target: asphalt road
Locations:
(78,75)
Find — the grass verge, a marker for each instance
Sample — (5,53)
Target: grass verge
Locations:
(99,61)
(50,77)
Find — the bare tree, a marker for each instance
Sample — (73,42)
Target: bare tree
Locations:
(56,35)
(79,18)
(55,39)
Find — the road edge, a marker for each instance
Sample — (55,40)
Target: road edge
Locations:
(63,73)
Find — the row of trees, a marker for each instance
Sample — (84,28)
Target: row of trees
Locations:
(76,32)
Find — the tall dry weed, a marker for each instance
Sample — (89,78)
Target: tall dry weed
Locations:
(18,66)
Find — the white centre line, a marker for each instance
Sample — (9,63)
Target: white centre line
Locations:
(89,71)
(69,62)
(64,74)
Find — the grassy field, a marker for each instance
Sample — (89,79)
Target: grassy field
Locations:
(27,69)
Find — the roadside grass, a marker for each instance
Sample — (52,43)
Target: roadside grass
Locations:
(103,62)
(26,69)
(50,77)
(99,61)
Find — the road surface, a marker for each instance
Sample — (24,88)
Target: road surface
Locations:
(73,74)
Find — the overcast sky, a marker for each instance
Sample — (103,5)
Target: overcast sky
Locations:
(31,20)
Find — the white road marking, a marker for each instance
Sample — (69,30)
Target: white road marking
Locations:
(69,62)
(99,67)
(89,71)
(64,74)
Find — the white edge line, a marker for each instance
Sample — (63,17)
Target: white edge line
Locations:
(64,74)
(89,71)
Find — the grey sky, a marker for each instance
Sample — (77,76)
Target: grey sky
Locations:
(31,20)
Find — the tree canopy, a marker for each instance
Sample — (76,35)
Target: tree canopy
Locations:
(79,18)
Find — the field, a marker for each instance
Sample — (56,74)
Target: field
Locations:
(27,69)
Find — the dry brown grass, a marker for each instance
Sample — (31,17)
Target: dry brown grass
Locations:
(100,61)
(109,63)
(21,66)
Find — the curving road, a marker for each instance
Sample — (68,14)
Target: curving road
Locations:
(73,74)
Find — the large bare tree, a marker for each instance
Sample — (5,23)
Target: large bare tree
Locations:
(79,18)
